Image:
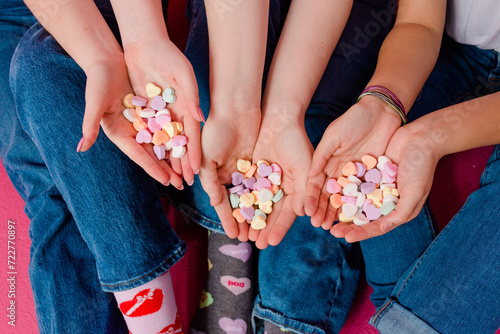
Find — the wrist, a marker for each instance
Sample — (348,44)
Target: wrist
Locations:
(235,98)
(380,109)
(113,58)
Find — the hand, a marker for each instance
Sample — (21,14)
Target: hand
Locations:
(161,62)
(283,140)
(365,128)
(417,155)
(107,84)
(228,135)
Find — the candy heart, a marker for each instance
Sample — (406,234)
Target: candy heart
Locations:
(235,200)
(139,101)
(361,169)
(265,195)
(279,195)
(258,223)
(163,119)
(262,183)
(205,299)
(129,114)
(127,101)
(373,176)
(153,126)
(139,124)
(179,140)
(145,302)
(163,112)
(236,285)
(159,151)
(351,189)
(158,103)
(274,178)
(369,161)
(382,160)
(360,219)
(249,183)
(247,213)
(372,212)
(237,178)
(237,215)
(243,165)
(178,152)
(367,187)
(333,187)
(349,210)
(152,90)
(264,170)
(229,326)
(143,136)
(242,251)
(147,113)
(169,95)
(276,168)
(160,137)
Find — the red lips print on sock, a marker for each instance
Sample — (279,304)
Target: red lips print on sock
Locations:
(145,302)
(173,329)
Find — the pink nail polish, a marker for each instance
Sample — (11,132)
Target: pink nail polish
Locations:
(201,115)
(80,144)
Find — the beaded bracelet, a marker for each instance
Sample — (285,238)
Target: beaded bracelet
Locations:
(387,96)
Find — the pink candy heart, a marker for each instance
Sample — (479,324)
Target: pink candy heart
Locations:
(262,183)
(230,326)
(373,176)
(153,126)
(241,251)
(163,119)
(264,170)
(333,187)
(372,212)
(159,151)
(178,140)
(144,136)
(235,285)
(247,213)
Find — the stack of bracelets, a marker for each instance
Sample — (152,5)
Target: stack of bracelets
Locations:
(389,97)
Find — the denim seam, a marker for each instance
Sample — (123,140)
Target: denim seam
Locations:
(482,181)
(376,318)
(180,250)
(280,324)
(432,245)
(336,291)
(196,216)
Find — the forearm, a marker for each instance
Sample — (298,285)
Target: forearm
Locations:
(238,38)
(310,34)
(464,126)
(140,20)
(410,51)
(79,28)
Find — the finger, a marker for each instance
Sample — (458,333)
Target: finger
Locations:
(283,224)
(189,90)
(314,187)
(325,149)
(405,211)
(253,234)
(299,191)
(187,171)
(340,229)
(243,235)
(218,198)
(193,133)
(94,102)
(176,164)
(323,205)
(329,218)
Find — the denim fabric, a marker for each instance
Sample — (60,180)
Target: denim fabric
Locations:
(454,286)
(307,282)
(97,223)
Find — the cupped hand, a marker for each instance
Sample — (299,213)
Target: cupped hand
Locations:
(417,155)
(161,62)
(365,128)
(283,140)
(107,84)
(228,135)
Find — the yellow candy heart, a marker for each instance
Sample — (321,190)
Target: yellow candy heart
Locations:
(152,90)
(247,200)
(258,223)
(243,165)
(171,130)
(127,101)
(267,207)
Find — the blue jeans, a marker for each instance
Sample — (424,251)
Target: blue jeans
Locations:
(307,282)
(97,224)
(454,285)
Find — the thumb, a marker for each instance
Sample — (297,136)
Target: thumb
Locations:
(329,143)
(94,109)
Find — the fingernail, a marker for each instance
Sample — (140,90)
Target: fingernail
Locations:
(80,144)
(196,172)
(201,115)
(181,187)
(190,183)
(387,227)
(166,184)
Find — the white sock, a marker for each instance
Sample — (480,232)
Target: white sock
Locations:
(150,308)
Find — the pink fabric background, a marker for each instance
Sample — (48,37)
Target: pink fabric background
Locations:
(456,177)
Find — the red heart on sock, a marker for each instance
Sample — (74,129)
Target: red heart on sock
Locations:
(174,328)
(145,302)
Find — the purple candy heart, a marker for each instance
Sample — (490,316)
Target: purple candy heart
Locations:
(264,170)
(234,190)
(249,183)
(244,191)
(247,212)
(367,187)
(158,103)
(159,151)
(361,169)
(262,183)
(373,175)
(139,101)
(237,178)
(144,136)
